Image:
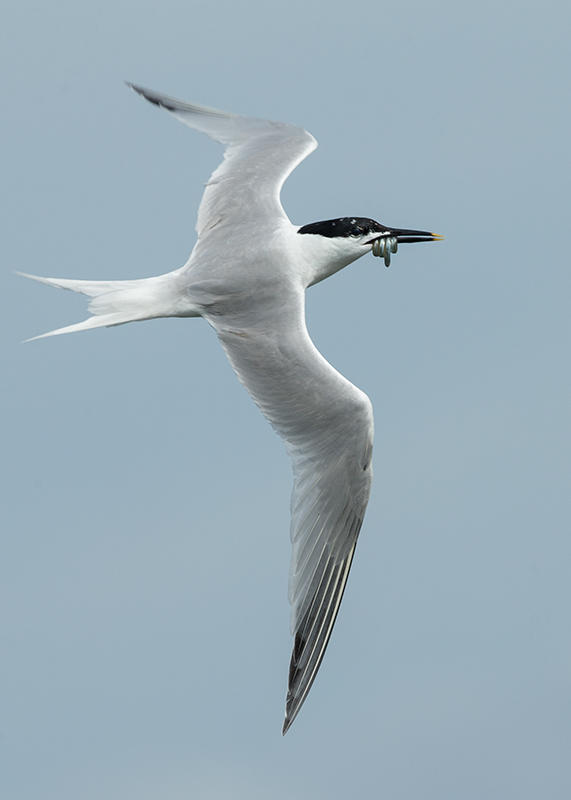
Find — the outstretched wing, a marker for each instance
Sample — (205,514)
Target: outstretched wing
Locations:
(327,425)
(259,155)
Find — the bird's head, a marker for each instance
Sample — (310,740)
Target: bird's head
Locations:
(343,240)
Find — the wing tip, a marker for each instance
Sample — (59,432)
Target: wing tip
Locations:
(302,676)
(293,707)
(294,702)
(160,100)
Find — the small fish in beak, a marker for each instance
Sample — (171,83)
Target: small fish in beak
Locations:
(388,244)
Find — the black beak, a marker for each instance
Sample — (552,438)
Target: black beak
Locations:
(406,236)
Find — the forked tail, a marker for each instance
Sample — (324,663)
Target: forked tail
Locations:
(118,302)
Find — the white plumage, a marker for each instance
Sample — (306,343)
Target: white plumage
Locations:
(247,276)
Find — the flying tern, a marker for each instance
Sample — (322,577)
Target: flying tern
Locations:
(247,275)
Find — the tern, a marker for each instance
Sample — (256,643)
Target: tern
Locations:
(246,276)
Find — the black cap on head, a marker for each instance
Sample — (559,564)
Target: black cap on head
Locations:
(344,226)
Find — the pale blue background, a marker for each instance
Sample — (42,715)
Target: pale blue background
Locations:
(144,620)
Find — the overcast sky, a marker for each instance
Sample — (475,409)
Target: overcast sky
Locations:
(144,550)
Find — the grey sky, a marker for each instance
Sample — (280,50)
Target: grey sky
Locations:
(143,573)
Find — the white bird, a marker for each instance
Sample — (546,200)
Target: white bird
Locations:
(247,275)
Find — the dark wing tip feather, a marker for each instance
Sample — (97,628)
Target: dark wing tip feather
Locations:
(160,100)
(301,673)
